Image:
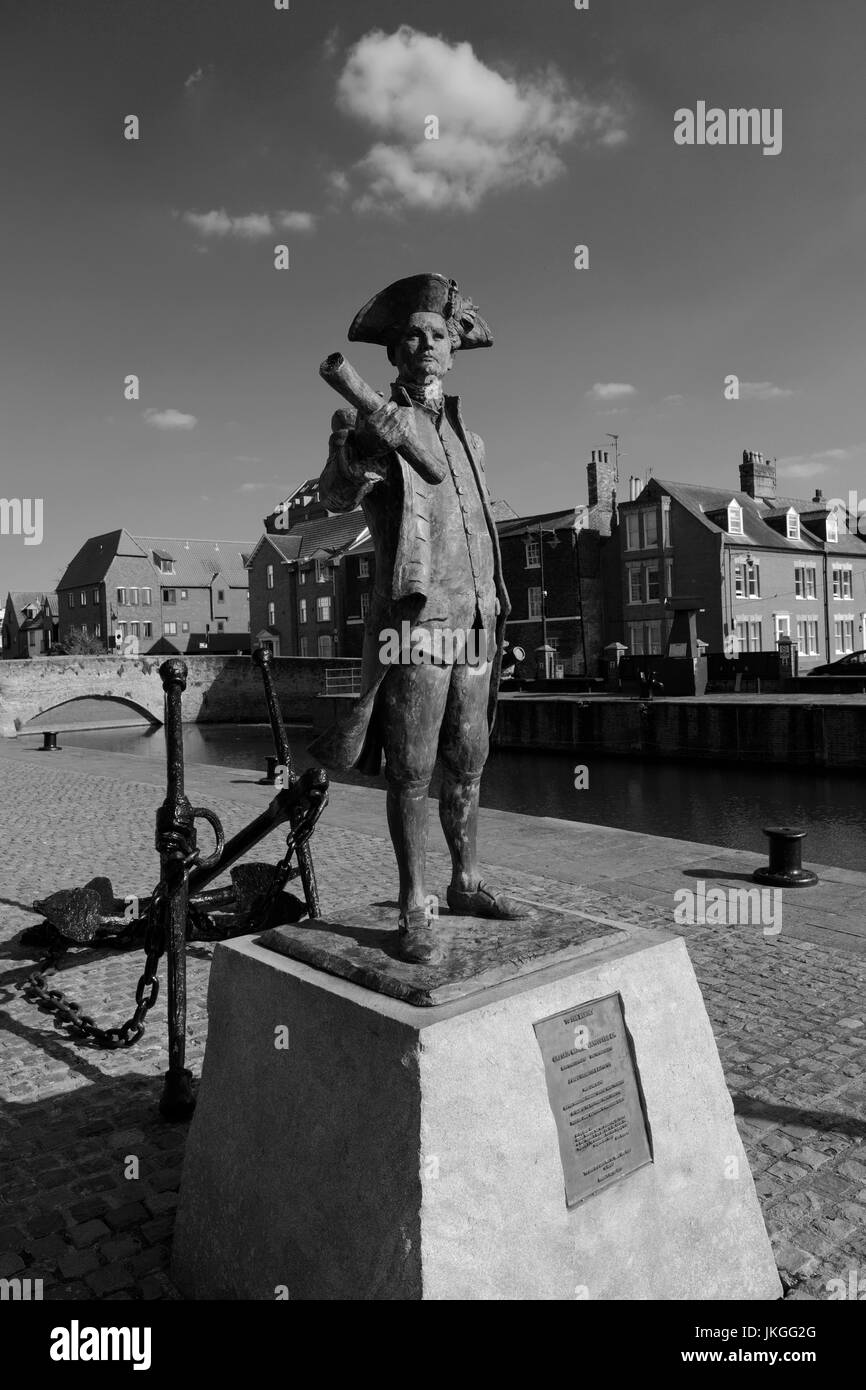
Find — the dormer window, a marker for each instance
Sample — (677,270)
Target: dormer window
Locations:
(793,519)
(735,519)
(832,528)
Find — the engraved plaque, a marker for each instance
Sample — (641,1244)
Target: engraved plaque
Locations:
(595,1096)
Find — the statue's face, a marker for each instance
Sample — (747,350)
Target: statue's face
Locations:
(423,349)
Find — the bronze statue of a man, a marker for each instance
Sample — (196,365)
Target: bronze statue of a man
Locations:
(438,573)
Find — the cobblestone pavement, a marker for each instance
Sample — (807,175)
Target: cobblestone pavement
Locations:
(91,1173)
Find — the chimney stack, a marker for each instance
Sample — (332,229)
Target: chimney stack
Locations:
(757,476)
(601,485)
(819,496)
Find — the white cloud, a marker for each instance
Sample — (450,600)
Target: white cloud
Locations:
(296,221)
(251,226)
(610,391)
(194,78)
(496,132)
(332,43)
(762,391)
(813,465)
(169,419)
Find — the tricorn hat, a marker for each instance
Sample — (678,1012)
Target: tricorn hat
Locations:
(385,314)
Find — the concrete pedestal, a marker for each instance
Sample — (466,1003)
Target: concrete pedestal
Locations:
(398,1152)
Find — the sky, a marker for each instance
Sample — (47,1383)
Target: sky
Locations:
(307,127)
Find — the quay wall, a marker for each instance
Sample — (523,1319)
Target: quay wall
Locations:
(766,730)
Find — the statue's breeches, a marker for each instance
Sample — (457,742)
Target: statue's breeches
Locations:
(427,710)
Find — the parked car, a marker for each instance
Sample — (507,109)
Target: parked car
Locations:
(852,665)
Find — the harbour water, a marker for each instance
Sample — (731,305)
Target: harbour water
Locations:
(725,804)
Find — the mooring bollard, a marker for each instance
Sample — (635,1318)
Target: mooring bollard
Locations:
(49,744)
(785,869)
(270,776)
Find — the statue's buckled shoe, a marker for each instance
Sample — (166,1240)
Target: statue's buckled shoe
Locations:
(419,943)
(483,903)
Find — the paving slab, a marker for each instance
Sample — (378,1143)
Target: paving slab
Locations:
(787,1012)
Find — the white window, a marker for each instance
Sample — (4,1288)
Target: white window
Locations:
(650,528)
(33,634)
(302,610)
(166,566)
(272,615)
(645,639)
(184,627)
(97,629)
(121,596)
(534,600)
(807,636)
(748,632)
(843,580)
(832,528)
(133,630)
(133,597)
(533,553)
(147,629)
(793,521)
(70,600)
(669,578)
(323,572)
(652,584)
(83,600)
(95,597)
(326,646)
(170,629)
(805,581)
(782,625)
(635,584)
(323,609)
(632,531)
(735,519)
(269,577)
(364,567)
(843,633)
(303,647)
(666,522)
(145,597)
(747,579)
(302,576)
(365,605)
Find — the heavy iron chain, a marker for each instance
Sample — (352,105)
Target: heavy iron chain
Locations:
(70,1015)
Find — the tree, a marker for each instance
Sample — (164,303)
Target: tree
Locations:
(80,643)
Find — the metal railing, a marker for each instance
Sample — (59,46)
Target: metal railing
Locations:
(344,680)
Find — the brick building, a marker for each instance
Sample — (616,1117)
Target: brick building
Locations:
(30,625)
(562,578)
(310,577)
(165,592)
(762,565)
